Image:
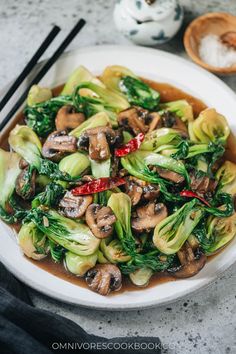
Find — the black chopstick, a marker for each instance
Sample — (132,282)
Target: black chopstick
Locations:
(44,70)
(33,61)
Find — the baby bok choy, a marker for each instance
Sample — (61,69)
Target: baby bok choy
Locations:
(97,120)
(79,265)
(141,277)
(139,93)
(113,74)
(9,171)
(26,143)
(216,233)
(171,233)
(74,164)
(73,236)
(160,137)
(38,94)
(120,204)
(220,231)
(210,126)
(226,177)
(181,108)
(79,75)
(113,251)
(120,79)
(33,241)
(98,99)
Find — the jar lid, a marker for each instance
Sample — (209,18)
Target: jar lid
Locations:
(141,11)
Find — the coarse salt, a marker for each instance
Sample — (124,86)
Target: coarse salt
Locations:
(213,52)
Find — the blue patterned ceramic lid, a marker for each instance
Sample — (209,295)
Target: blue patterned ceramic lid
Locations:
(150,10)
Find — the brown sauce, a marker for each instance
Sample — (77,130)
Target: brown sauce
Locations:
(168,93)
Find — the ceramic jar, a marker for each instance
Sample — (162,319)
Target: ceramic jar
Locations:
(148,22)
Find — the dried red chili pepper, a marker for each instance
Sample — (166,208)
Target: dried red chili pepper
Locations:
(98,185)
(190,194)
(131,146)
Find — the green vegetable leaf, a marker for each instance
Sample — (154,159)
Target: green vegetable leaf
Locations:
(50,197)
(138,93)
(41,116)
(171,233)
(223,205)
(57,251)
(75,237)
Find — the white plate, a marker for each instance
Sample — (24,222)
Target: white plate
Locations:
(156,65)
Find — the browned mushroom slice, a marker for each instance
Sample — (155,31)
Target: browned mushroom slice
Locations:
(68,118)
(134,189)
(154,121)
(104,278)
(171,120)
(202,184)
(133,119)
(100,220)
(98,146)
(74,206)
(25,183)
(151,192)
(138,190)
(97,141)
(148,216)
(170,175)
(190,263)
(57,144)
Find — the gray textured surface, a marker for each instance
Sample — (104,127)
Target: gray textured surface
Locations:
(201,323)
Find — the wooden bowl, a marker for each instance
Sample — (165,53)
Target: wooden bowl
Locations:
(212,23)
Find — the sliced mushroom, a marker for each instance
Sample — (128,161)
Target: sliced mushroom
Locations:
(133,119)
(68,118)
(190,263)
(154,121)
(97,141)
(25,183)
(138,190)
(104,278)
(139,120)
(169,175)
(151,192)
(73,206)
(98,146)
(57,144)
(134,189)
(148,216)
(202,184)
(171,120)
(100,220)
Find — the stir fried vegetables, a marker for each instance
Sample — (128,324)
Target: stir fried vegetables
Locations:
(111,181)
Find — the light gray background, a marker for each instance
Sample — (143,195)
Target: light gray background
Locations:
(204,322)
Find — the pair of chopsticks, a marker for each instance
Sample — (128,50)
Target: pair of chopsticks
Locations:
(48,40)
